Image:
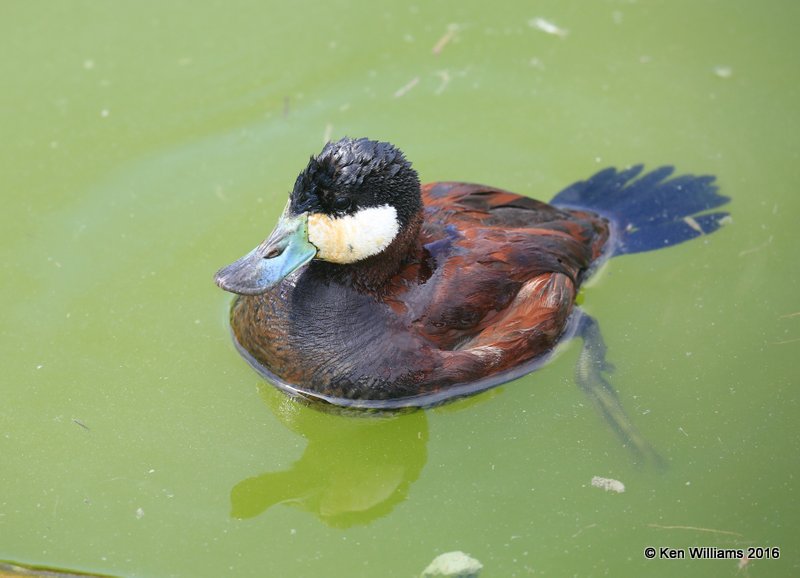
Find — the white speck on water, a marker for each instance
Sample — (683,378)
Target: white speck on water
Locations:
(547,27)
(453,564)
(88,64)
(608,484)
(105,112)
(723,71)
(293,531)
(39,366)
(139,513)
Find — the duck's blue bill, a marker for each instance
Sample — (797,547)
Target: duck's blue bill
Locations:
(283,252)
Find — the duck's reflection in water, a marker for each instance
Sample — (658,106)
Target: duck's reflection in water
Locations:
(355,468)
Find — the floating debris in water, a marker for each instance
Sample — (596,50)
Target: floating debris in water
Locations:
(723,71)
(547,27)
(12,569)
(694,225)
(755,249)
(139,513)
(608,484)
(404,89)
(743,562)
(444,40)
(454,564)
(696,529)
(78,422)
(444,76)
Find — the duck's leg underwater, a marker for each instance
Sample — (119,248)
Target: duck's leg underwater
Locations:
(649,211)
(589,374)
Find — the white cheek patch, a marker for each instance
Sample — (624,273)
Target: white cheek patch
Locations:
(353,237)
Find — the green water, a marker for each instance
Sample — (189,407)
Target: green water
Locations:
(146,144)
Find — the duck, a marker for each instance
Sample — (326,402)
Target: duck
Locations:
(374,291)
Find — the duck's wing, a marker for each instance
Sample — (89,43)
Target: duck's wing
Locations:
(487,243)
(527,328)
(467,205)
(506,271)
(459,354)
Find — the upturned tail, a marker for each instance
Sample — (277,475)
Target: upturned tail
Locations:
(651,211)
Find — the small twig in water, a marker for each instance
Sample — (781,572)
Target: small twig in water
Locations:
(580,530)
(404,89)
(445,76)
(696,529)
(754,249)
(444,40)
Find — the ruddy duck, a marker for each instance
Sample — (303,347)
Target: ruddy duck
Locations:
(375,292)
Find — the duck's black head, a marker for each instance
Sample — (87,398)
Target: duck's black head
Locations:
(356,205)
(355,174)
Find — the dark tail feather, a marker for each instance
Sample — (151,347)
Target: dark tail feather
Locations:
(650,211)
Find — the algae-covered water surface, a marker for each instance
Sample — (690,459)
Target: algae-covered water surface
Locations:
(147,144)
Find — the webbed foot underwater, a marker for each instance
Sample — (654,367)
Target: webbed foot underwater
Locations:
(374,291)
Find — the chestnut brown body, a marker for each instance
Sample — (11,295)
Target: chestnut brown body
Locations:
(480,282)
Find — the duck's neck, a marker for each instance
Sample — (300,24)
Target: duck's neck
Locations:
(371,275)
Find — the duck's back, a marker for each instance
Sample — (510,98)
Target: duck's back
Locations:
(578,236)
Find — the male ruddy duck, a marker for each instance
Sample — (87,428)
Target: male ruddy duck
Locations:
(375,292)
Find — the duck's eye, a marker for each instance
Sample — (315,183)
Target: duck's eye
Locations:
(341,203)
